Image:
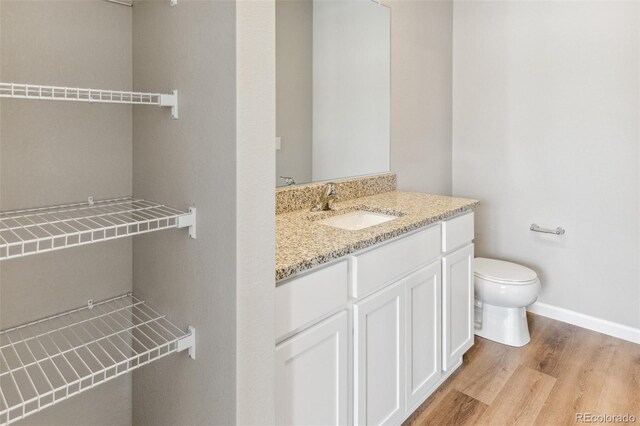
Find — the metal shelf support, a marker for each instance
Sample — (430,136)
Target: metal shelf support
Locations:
(188,342)
(170,101)
(188,221)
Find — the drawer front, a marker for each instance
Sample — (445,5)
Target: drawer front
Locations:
(304,299)
(385,264)
(457,232)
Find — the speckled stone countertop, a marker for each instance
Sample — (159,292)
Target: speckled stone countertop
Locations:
(302,244)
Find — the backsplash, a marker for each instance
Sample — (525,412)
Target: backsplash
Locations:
(300,197)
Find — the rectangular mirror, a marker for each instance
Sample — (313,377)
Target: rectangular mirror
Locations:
(333,89)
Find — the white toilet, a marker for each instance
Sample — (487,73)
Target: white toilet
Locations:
(503,291)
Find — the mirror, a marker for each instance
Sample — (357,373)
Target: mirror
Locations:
(333,78)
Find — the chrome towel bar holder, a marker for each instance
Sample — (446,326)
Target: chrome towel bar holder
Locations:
(122,3)
(536,228)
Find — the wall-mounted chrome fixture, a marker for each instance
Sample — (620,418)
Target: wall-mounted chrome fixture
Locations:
(123,3)
(120,3)
(288,180)
(536,228)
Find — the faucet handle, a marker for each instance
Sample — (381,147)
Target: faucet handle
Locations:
(288,180)
(331,195)
(327,197)
(330,189)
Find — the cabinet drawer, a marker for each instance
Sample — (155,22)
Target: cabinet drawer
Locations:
(457,232)
(385,264)
(301,300)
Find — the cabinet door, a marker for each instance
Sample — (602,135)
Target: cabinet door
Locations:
(379,357)
(457,305)
(311,375)
(424,349)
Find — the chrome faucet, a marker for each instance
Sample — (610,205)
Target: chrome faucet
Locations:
(288,180)
(329,195)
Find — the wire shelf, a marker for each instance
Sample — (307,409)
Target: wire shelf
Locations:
(50,360)
(56,93)
(33,231)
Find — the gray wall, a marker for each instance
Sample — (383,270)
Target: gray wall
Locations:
(256,122)
(56,152)
(546,129)
(421,46)
(182,162)
(294,88)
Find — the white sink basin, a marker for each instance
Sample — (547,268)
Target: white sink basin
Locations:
(359,219)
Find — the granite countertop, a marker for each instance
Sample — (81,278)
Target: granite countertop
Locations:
(302,244)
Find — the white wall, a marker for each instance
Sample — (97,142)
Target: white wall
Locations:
(421,46)
(546,130)
(190,161)
(351,88)
(255,221)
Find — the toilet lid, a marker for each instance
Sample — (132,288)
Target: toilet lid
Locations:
(504,272)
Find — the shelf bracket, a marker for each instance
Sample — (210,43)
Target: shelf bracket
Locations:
(188,342)
(188,220)
(170,101)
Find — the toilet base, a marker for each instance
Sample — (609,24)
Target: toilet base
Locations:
(504,325)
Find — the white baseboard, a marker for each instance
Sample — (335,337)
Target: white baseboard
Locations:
(609,328)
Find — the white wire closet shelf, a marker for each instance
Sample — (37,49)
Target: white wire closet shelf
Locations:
(27,232)
(50,360)
(57,93)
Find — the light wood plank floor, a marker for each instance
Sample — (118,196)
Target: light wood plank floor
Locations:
(564,370)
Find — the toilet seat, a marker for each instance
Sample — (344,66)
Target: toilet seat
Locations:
(502,272)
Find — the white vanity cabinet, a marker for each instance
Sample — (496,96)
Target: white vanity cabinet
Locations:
(366,339)
(379,357)
(312,377)
(312,356)
(424,338)
(458,289)
(397,341)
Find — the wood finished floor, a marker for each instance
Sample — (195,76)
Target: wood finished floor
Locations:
(564,370)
